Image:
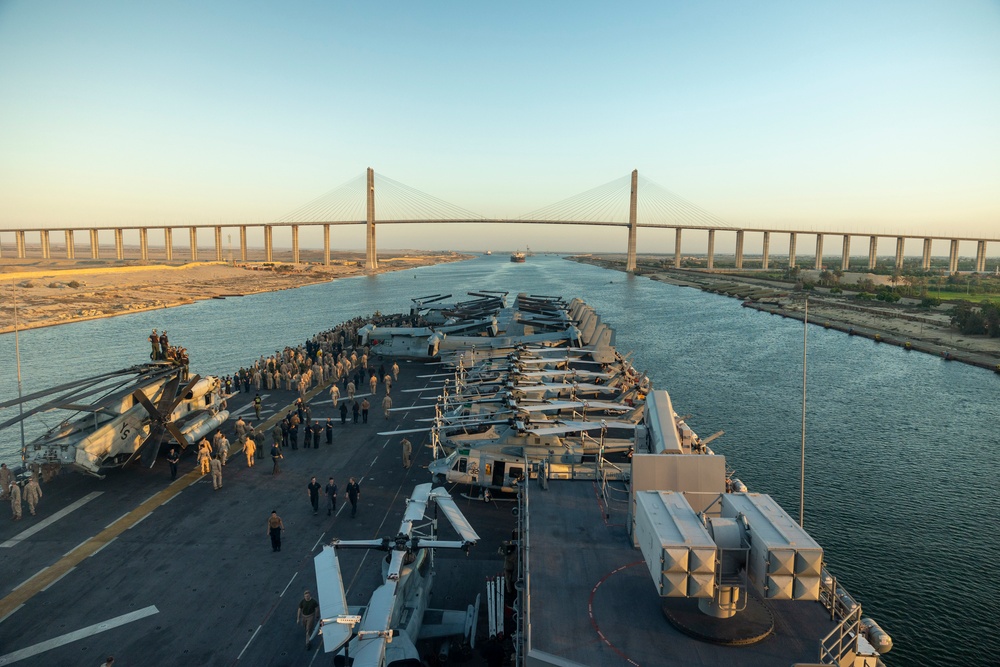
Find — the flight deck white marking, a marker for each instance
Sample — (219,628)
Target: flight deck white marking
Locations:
(76,547)
(288,584)
(104,546)
(70,637)
(49,521)
(29,579)
(11,612)
(248,643)
(139,521)
(117,520)
(317,542)
(54,582)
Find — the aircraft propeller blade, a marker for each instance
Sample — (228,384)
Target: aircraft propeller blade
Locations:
(178,436)
(150,447)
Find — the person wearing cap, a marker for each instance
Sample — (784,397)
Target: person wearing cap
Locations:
(163,344)
(32,494)
(15,501)
(216,466)
(155,342)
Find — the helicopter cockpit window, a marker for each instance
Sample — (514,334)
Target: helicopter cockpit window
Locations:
(459,465)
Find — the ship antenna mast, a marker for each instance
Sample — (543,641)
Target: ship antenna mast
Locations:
(802,462)
(17,354)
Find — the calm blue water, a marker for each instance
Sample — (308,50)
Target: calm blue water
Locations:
(902,446)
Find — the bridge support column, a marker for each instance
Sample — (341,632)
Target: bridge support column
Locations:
(739,249)
(46,248)
(243,243)
(218,244)
(711,249)
(371,256)
(70,245)
(630,256)
(268,243)
(926,263)
(791,250)
(899,252)
(168,244)
(980,256)
(295,244)
(119,244)
(677,248)
(326,245)
(872,252)
(144,244)
(95,246)
(193,232)
(819,252)
(845,257)
(765,251)
(953,258)
(19,237)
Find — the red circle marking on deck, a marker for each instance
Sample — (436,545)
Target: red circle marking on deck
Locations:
(593,621)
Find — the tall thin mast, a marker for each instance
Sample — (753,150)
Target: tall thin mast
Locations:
(802,463)
(17,354)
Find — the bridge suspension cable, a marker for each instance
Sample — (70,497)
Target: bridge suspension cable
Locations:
(346,202)
(657,205)
(605,203)
(393,201)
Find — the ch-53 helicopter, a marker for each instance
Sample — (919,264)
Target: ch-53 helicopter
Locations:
(396,617)
(121,415)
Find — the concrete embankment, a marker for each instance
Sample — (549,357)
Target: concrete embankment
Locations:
(906,327)
(878,336)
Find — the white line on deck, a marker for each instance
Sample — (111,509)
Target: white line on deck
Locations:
(70,637)
(49,521)
(117,520)
(248,643)
(317,542)
(104,546)
(288,584)
(76,547)
(139,521)
(11,612)
(59,579)
(29,579)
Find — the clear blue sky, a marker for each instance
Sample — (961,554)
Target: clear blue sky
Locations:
(867,116)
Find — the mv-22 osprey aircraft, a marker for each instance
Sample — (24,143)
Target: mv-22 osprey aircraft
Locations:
(120,415)
(397,616)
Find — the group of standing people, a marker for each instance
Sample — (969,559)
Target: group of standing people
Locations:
(10,489)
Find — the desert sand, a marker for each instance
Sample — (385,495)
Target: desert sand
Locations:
(51,292)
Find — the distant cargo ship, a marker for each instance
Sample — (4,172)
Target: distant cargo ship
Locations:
(517,256)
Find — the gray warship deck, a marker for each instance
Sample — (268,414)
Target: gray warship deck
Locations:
(592,602)
(158,573)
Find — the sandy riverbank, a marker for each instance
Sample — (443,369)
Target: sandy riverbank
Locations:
(51,292)
(927,330)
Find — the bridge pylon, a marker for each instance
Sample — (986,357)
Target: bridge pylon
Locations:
(632,223)
(371,258)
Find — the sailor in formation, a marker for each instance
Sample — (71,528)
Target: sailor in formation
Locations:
(15,501)
(32,494)
(216,466)
(407,452)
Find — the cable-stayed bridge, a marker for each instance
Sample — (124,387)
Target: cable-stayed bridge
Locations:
(372,200)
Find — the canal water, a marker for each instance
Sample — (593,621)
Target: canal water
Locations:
(902,447)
